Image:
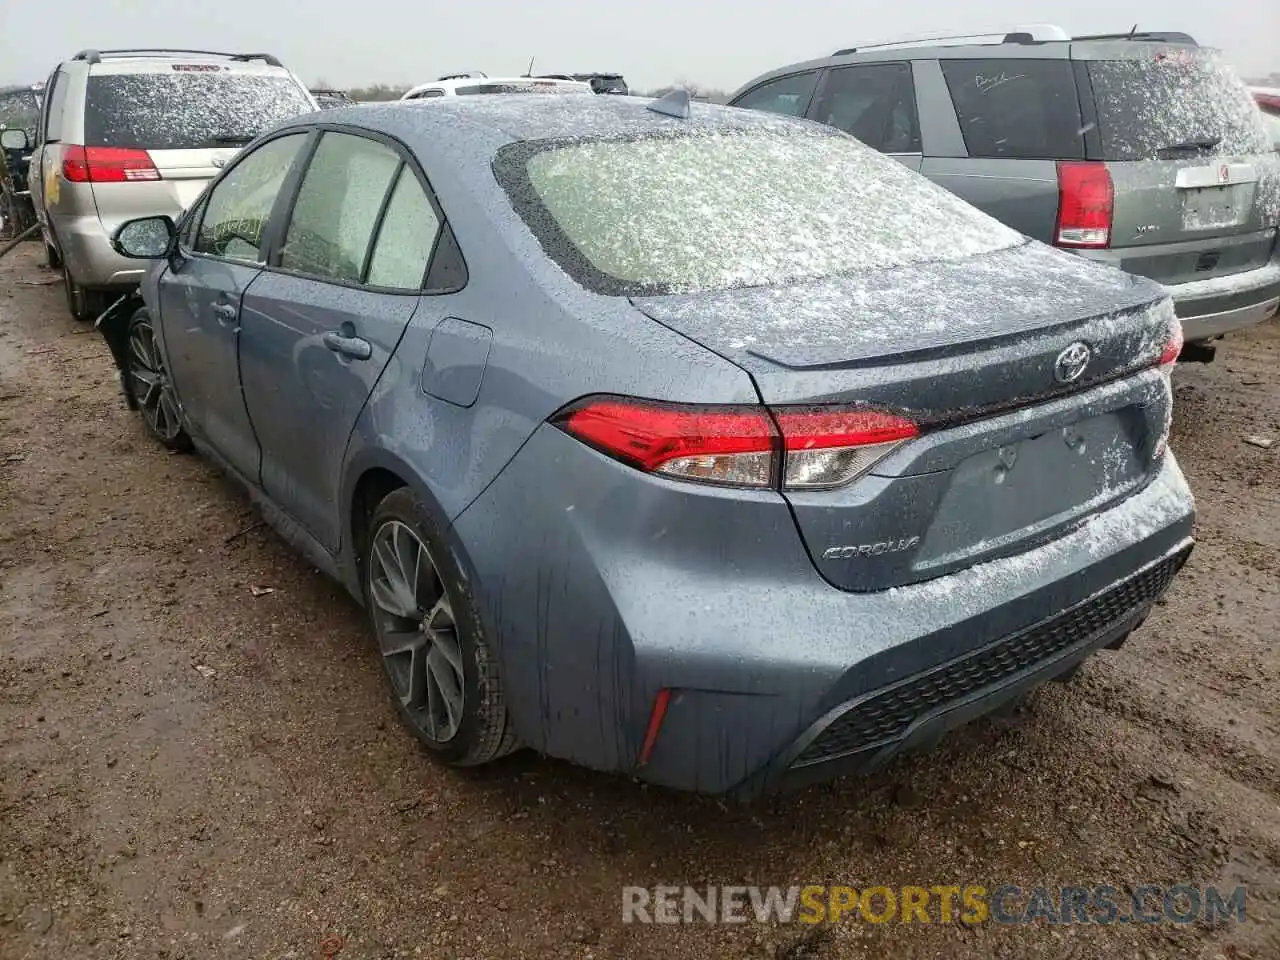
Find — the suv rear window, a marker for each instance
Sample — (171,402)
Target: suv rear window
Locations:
(187,110)
(1162,106)
(1019,109)
(733,208)
(533,86)
(20,110)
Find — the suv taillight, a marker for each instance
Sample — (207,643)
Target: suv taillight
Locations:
(808,447)
(107,165)
(1086,202)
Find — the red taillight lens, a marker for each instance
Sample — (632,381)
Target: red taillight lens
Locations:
(1086,202)
(714,445)
(1268,101)
(1173,348)
(828,448)
(810,448)
(107,165)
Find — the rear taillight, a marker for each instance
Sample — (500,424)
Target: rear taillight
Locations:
(803,448)
(1086,202)
(107,165)
(1173,348)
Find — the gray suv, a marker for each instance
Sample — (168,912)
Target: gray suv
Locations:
(127,133)
(1141,150)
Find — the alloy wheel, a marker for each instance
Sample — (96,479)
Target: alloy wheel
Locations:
(149,383)
(417,633)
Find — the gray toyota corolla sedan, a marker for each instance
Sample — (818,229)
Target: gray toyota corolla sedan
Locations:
(699,444)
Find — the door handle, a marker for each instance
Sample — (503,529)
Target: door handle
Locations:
(225,312)
(353,347)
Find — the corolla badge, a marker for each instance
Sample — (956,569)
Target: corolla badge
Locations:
(1071,362)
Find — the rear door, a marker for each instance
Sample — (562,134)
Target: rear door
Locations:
(320,326)
(1194,173)
(875,102)
(177,125)
(1016,117)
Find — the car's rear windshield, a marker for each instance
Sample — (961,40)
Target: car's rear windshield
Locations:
(187,109)
(546,86)
(1174,104)
(716,209)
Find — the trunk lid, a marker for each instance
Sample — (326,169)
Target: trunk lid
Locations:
(1197,183)
(1009,454)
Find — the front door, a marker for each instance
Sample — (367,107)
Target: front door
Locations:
(200,300)
(320,325)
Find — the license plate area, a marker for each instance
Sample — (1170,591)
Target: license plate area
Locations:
(1022,491)
(1213,208)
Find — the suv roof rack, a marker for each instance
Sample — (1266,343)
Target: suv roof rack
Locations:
(466,75)
(1150,36)
(97,56)
(1030,33)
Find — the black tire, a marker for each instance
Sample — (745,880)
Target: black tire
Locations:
(84,305)
(484,732)
(147,380)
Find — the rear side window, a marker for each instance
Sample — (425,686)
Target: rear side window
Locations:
(875,103)
(338,206)
(406,237)
(1172,105)
(1017,109)
(187,109)
(55,105)
(788,96)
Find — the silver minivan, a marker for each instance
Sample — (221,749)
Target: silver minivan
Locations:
(130,133)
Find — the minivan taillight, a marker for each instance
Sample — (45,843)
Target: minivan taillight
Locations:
(107,165)
(804,448)
(1086,202)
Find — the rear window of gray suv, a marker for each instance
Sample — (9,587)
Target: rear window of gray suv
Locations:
(1161,107)
(187,110)
(733,208)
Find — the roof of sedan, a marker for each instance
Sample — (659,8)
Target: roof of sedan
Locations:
(543,117)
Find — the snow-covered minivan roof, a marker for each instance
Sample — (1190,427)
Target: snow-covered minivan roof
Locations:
(461,86)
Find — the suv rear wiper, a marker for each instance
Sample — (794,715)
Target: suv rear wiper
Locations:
(233,139)
(1186,146)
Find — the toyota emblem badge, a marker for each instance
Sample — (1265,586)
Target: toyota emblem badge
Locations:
(1071,363)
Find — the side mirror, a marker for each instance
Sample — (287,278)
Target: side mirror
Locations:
(14,139)
(147,238)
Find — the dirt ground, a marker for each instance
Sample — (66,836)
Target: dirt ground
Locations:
(193,768)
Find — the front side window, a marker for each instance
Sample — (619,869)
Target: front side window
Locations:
(756,206)
(191,107)
(406,237)
(788,96)
(239,205)
(875,103)
(1017,109)
(338,206)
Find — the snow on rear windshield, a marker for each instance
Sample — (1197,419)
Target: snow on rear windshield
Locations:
(187,110)
(1154,107)
(733,208)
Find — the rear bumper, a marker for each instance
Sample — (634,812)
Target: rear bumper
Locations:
(614,586)
(86,250)
(864,734)
(1211,308)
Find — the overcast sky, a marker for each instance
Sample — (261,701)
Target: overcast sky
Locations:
(715,43)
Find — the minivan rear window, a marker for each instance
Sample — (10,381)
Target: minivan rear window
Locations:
(1172,105)
(187,110)
(714,209)
(532,86)
(1017,109)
